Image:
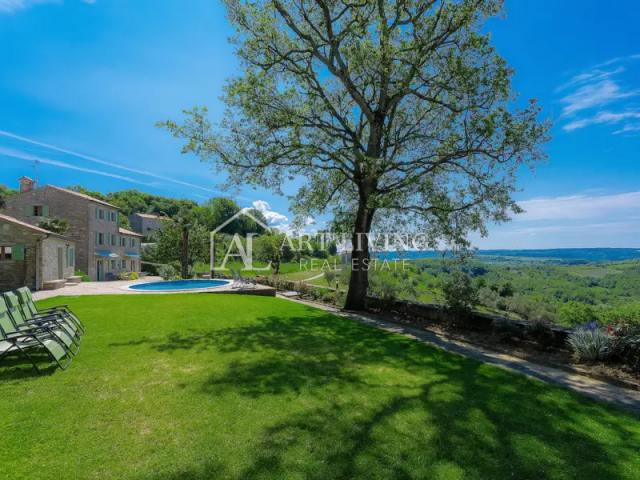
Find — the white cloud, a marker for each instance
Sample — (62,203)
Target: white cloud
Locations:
(594,95)
(11,6)
(579,207)
(608,227)
(24,156)
(594,75)
(601,118)
(596,88)
(274,218)
(630,127)
(110,164)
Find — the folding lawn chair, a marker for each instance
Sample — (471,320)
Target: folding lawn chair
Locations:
(31,312)
(65,329)
(25,340)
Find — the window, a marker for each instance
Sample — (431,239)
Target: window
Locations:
(6,252)
(133,265)
(113,264)
(37,210)
(124,264)
(99,238)
(113,239)
(133,242)
(71,257)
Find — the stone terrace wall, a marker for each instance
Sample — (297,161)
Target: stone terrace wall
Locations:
(18,273)
(423,312)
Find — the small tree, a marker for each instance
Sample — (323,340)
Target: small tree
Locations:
(577,313)
(55,224)
(329,276)
(267,249)
(460,297)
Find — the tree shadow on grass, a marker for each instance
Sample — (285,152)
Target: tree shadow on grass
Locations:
(383,406)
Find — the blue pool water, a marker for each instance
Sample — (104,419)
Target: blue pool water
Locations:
(179,285)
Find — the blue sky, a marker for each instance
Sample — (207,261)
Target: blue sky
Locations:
(83,83)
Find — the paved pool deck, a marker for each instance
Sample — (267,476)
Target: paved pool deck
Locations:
(118,287)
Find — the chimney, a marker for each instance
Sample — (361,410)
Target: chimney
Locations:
(26,184)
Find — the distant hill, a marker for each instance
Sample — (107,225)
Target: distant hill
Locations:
(589,254)
(573,256)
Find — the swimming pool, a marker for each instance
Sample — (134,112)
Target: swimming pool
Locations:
(179,285)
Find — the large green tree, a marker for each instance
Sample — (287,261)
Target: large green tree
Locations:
(399,111)
(6,192)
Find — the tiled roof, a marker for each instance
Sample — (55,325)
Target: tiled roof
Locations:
(15,221)
(149,215)
(81,195)
(124,231)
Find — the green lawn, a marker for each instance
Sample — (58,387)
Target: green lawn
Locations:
(213,386)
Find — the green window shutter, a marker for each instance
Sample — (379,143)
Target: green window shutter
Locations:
(97,212)
(74,257)
(17,251)
(97,238)
(29,210)
(45,210)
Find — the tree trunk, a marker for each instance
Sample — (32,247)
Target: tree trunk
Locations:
(359,282)
(185,254)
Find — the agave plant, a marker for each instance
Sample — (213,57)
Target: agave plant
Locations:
(590,344)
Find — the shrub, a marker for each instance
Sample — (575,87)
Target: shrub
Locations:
(540,330)
(167,272)
(507,290)
(506,329)
(329,276)
(459,295)
(629,313)
(85,277)
(576,313)
(191,272)
(590,343)
(128,276)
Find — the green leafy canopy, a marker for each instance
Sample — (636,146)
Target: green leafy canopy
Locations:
(397,111)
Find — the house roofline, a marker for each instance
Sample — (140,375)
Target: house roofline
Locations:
(244,211)
(34,228)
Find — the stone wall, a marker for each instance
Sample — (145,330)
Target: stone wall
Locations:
(102,226)
(429,313)
(49,259)
(80,212)
(18,273)
(62,205)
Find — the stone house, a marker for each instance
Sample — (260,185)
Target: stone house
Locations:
(32,256)
(102,249)
(146,224)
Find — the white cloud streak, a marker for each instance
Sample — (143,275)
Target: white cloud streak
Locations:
(111,164)
(594,95)
(601,118)
(25,156)
(630,127)
(596,88)
(579,207)
(12,6)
